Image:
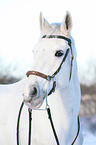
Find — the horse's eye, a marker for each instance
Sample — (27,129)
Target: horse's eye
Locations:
(59,53)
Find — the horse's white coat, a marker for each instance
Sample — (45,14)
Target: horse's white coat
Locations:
(64,103)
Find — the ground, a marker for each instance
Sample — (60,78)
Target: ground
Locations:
(88,101)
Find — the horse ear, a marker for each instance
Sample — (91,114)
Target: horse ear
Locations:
(44,25)
(66,25)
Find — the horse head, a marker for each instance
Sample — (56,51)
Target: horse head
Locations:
(52,67)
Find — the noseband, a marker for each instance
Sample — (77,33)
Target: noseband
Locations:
(49,78)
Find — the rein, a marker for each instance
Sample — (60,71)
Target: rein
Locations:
(49,78)
(51,122)
(18,124)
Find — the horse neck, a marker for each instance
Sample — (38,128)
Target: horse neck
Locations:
(67,108)
(71,94)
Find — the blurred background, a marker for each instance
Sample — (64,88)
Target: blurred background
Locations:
(19,33)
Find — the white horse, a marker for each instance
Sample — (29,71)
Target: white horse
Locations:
(54,69)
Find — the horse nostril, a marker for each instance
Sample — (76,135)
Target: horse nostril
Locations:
(33,92)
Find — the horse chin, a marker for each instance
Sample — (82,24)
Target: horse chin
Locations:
(34,106)
(34,103)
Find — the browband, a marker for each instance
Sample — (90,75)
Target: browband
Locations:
(58,36)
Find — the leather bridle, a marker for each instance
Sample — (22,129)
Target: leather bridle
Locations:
(49,78)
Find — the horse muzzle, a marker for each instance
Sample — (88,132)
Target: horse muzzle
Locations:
(34,95)
(38,87)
